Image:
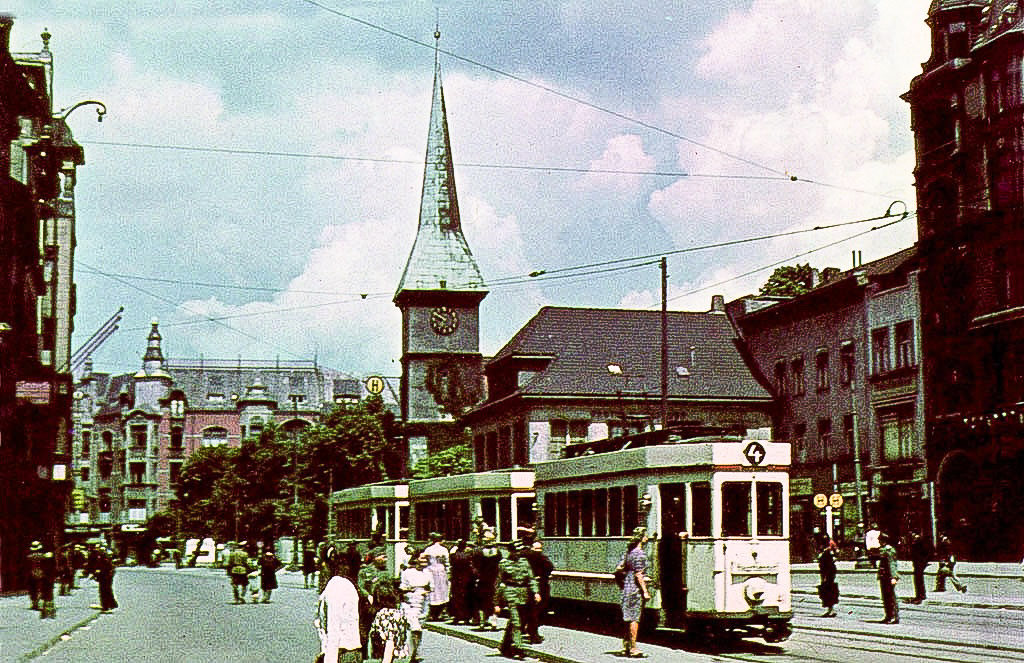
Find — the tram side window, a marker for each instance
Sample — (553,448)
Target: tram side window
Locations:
(615,511)
(769,509)
(489,511)
(587,513)
(505,519)
(736,513)
(629,507)
(700,500)
(574,513)
(524,511)
(561,511)
(600,512)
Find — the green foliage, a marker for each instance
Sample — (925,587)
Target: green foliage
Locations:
(794,280)
(456,459)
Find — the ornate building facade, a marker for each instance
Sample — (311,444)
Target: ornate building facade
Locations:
(967,110)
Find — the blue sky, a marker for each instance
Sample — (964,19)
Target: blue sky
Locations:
(583,132)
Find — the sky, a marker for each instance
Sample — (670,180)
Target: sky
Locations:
(255,184)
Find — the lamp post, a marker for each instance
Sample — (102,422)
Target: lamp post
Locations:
(295,484)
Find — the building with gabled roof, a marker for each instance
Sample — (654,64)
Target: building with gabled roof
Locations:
(581,374)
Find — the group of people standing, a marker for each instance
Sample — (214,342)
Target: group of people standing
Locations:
(883,557)
(47,568)
(364,609)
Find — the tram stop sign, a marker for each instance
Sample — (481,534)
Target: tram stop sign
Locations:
(835,500)
(820,500)
(755,453)
(375,384)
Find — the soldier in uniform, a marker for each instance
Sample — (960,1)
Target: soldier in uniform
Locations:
(888,576)
(373,572)
(517,587)
(238,571)
(35,573)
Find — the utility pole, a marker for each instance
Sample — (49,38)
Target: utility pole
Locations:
(664,344)
(295,483)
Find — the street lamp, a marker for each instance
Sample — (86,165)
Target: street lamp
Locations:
(295,484)
(101,110)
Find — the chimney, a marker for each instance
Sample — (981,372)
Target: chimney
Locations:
(717,304)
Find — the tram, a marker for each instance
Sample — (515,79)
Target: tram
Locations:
(502,500)
(715,508)
(377,508)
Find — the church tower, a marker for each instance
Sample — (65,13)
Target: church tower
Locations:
(439,297)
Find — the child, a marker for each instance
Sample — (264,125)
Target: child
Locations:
(389,625)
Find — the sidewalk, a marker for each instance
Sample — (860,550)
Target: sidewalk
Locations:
(23,635)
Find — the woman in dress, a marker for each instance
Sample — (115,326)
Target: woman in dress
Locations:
(415,584)
(438,563)
(828,590)
(634,590)
(269,564)
(389,624)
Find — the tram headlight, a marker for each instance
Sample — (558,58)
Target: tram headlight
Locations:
(754,591)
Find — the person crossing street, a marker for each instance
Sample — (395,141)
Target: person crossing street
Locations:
(518,587)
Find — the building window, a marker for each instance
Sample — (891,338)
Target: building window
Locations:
(905,344)
(140,434)
(825,439)
(215,437)
(847,361)
(881,361)
(847,449)
(780,377)
(797,368)
(177,438)
(559,438)
(85,473)
(108,441)
(175,475)
(177,408)
(821,362)
(137,472)
(255,427)
(578,431)
(137,511)
(86,442)
(800,442)
(897,436)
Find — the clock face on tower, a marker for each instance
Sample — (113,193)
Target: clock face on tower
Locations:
(444,320)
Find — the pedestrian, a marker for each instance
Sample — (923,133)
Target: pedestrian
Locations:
(373,571)
(920,557)
(828,589)
(888,576)
(352,558)
(308,567)
(35,574)
(542,568)
(947,567)
(101,566)
(238,570)
(269,565)
(337,616)
(634,590)
(329,559)
(389,625)
(438,563)
(462,583)
(485,564)
(415,584)
(65,569)
(872,544)
(518,586)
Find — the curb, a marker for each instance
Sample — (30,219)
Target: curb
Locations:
(43,648)
(492,642)
(931,602)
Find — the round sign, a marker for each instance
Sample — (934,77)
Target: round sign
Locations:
(835,500)
(820,500)
(375,384)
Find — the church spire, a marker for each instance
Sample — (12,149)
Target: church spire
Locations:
(440,259)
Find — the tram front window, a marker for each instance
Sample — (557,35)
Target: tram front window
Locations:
(736,512)
(769,509)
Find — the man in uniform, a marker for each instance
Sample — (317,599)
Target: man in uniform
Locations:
(517,586)
(35,574)
(888,576)
(373,571)
(238,570)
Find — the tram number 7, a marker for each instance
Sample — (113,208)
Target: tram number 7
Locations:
(754,453)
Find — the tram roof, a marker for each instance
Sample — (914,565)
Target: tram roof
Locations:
(480,482)
(371,492)
(705,452)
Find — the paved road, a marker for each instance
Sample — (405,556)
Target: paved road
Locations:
(180,616)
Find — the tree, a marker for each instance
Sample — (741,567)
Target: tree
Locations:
(456,459)
(794,280)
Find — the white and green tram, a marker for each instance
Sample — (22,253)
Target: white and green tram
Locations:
(716,510)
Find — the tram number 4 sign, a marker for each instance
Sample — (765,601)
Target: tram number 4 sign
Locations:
(754,453)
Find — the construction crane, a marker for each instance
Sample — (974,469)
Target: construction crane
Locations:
(95,341)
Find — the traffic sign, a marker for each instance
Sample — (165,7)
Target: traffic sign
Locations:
(835,500)
(820,500)
(375,384)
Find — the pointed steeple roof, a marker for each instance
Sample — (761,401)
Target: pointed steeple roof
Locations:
(440,259)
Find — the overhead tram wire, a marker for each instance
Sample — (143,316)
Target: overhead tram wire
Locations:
(792,258)
(779,174)
(215,321)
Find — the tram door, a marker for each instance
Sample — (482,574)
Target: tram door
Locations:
(671,552)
